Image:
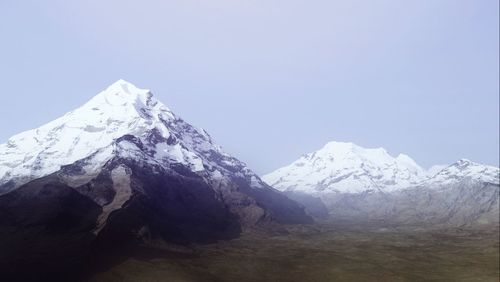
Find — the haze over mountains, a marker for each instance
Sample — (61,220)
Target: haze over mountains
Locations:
(123,171)
(346,180)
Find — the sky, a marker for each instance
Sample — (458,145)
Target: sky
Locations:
(269,80)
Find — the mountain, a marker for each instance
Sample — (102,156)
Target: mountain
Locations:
(346,181)
(347,168)
(463,169)
(123,170)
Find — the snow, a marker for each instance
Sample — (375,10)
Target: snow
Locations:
(90,133)
(79,133)
(255,182)
(346,167)
(177,154)
(91,168)
(408,162)
(464,169)
(343,167)
(121,109)
(433,170)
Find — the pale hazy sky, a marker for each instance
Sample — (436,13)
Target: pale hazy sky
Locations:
(270,80)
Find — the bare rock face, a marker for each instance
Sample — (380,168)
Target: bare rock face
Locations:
(466,203)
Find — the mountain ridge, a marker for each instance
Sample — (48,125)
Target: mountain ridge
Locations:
(347,182)
(348,168)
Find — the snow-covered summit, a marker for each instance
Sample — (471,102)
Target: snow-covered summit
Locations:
(464,169)
(120,109)
(346,167)
(92,130)
(124,166)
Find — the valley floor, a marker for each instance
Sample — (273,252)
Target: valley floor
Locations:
(325,252)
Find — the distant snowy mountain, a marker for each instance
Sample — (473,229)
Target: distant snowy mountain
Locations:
(123,169)
(347,168)
(348,181)
(463,169)
(341,167)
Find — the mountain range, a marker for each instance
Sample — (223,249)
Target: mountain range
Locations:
(123,171)
(344,180)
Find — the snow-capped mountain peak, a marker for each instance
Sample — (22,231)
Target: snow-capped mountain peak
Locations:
(347,167)
(123,101)
(124,89)
(119,110)
(464,169)
(408,161)
(464,163)
(123,169)
(92,130)
(344,167)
